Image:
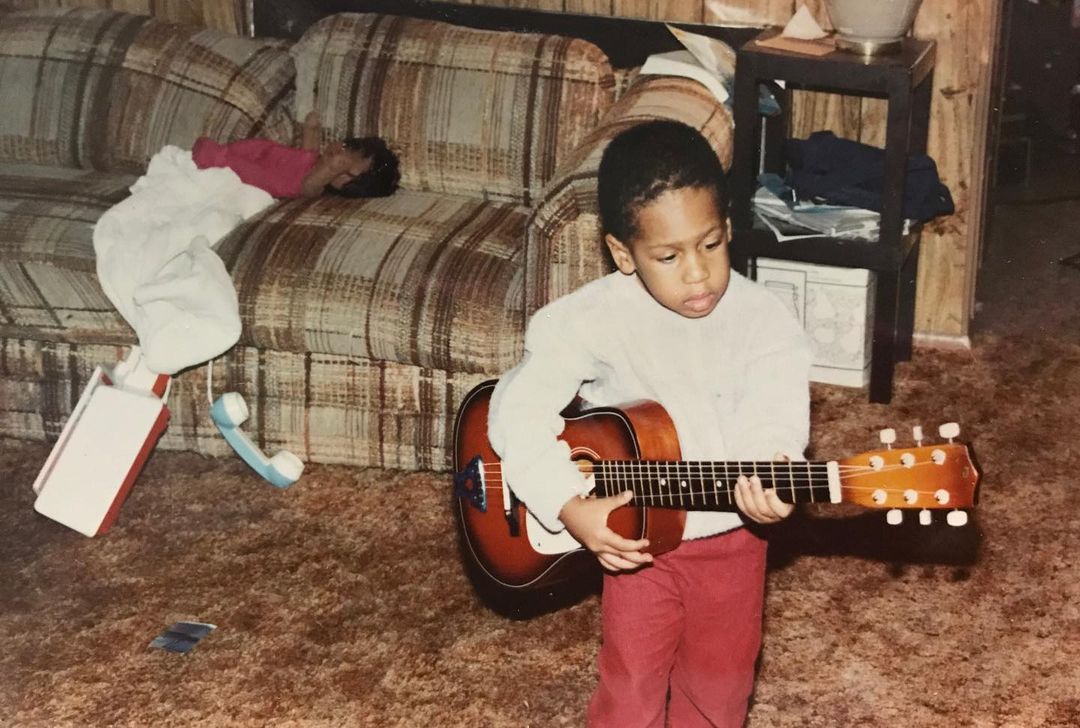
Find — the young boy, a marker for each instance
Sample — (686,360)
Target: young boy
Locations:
(674,324)
(351,168)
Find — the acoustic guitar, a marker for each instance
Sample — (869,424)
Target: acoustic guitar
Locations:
(635,448)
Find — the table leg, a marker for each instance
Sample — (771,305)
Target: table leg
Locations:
(883,353)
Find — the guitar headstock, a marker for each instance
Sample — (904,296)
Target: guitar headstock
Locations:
(927,477)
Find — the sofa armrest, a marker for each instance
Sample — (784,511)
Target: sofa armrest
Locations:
(564,249)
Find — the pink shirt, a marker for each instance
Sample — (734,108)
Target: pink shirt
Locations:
(270,166)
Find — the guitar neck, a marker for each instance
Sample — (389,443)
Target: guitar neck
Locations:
(710,485)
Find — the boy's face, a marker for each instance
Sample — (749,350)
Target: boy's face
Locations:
(680,252)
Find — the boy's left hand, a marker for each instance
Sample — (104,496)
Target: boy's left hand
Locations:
(760,505)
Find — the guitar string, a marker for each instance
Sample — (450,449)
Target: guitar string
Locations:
(496,491)
(719,464)
(637,467)
(634,468)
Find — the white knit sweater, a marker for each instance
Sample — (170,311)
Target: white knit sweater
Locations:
(735,384)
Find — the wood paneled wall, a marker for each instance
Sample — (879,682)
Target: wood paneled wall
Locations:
(966,32)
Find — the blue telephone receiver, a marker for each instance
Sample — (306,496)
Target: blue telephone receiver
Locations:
(229,412)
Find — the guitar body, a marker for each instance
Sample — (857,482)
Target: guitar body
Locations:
(505,554)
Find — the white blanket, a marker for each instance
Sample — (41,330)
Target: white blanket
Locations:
(155,263)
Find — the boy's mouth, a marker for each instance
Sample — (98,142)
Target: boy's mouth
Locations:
(701,302)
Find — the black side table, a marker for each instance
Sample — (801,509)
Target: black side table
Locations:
(905,80)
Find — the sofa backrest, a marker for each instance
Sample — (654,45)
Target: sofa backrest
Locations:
(99,89)
(470,112)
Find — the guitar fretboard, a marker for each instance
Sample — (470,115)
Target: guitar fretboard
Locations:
(708,485)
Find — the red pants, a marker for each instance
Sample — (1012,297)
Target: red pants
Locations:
(691,622)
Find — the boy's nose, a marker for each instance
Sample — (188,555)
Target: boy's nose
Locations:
(696,271)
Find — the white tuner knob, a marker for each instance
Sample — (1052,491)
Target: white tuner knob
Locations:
(910,496)
(879,496)
(907,460)
(956,518)
(877,462)
(888,437)
(941,496)
(916,432)
(924,517)
(895,516)
(938,456)
(949,430)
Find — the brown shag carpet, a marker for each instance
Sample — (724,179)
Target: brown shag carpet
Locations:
(342,601)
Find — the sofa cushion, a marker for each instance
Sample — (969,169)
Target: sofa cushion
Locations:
(471,112)
(418,278)
(104,90)
(48,284)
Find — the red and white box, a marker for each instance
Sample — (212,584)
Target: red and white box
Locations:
(103,447)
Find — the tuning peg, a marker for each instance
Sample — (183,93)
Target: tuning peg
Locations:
(949,430)
(888,437)
(894,517)
(924,517)
(957,518)
(916,432)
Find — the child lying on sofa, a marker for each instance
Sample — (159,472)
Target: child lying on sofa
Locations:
(354,167)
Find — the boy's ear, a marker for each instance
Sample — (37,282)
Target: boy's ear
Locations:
(620,254)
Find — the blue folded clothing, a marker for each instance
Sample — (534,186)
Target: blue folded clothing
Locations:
(844,172)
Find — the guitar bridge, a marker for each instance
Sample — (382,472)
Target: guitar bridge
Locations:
(469,484)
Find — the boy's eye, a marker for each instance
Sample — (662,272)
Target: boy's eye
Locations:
(714,245)
(667,258)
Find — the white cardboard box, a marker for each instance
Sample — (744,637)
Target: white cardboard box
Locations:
(99,454)
(836,307)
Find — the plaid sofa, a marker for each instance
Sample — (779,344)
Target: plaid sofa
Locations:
(365,322)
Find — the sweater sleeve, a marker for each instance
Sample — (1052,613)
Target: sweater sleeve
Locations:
(774,407)
(273,167)
(524,420)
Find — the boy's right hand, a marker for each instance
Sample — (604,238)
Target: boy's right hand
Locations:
(586,520)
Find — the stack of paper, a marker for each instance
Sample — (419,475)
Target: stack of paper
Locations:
(710,62)
(683,63)
(781,211)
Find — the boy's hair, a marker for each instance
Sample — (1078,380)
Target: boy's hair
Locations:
(643,162)
(381,179)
